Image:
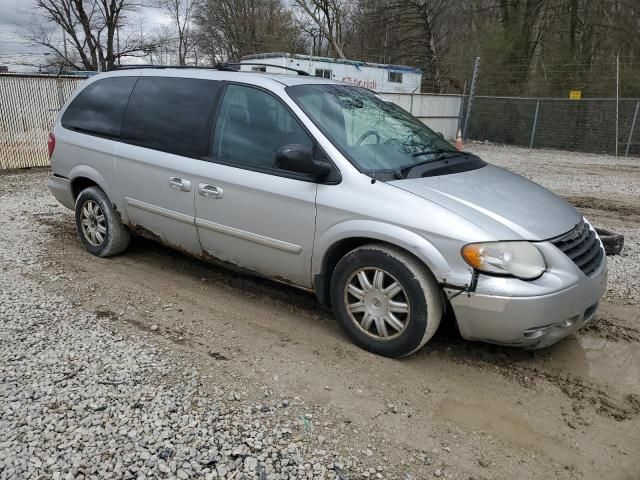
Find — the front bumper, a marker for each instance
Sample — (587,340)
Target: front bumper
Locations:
(529,321)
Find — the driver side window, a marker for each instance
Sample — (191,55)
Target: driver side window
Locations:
(252,125)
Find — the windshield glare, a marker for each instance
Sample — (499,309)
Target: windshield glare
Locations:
(377,135)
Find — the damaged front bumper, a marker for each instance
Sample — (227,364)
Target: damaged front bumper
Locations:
(499,311)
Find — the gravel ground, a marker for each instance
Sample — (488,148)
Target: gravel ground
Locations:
(106,373)
(568,173)
(78,400)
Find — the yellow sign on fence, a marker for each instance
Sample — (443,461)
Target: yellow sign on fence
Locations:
(575,94)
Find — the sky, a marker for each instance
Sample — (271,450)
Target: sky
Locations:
(15,18)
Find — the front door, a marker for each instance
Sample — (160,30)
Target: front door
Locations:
(249,212)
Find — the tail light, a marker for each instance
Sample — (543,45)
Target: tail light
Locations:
(51,144)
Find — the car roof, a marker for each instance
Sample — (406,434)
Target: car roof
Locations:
(256,78)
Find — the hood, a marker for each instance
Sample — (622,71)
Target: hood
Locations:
(504,204)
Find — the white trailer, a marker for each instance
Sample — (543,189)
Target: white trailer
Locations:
(374,76)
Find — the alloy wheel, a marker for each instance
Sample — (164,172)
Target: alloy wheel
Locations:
(377,303)
(93,223)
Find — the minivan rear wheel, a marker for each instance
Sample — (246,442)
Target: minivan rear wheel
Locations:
(386,300)
(98,224)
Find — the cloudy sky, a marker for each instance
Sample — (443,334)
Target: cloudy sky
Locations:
(13,19)
(16,17)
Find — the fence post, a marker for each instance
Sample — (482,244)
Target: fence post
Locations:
(461,111)
(617,102)
(472,92)
(535,123)
(60,93)
(633,127)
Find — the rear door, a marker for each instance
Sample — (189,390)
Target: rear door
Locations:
(249,212)
(166,133)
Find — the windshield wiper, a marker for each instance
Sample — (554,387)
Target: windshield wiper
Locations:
(402,172)
(433,152)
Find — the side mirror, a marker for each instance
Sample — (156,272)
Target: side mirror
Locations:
(298,158)
(440,134)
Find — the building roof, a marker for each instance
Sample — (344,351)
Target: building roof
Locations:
(355,63)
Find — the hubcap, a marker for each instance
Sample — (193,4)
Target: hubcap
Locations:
(377,303)
(93,223)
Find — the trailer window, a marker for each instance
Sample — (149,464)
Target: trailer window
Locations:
(395,77)
(258,69)
(323,73)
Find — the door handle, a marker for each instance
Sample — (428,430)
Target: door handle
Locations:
(210,191)
(181,184)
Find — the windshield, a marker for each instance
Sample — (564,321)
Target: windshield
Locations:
(377,135)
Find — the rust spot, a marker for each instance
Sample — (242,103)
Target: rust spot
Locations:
(141,231)
(209,257)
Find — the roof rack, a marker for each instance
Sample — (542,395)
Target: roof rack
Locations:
(217,66)
(272,65)
(225,67)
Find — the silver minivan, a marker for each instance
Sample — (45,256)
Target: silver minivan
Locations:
(327,187)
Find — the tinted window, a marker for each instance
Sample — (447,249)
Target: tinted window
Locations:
(173,115)
(251,126)
(99,107)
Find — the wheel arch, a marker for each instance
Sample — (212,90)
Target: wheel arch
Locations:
(334,244)
(84,176)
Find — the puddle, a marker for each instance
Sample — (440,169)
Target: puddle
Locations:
(599,360)
(512,430)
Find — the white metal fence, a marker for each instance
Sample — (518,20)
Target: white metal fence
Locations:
(438,112)
(29,103)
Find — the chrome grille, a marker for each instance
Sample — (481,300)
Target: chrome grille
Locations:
(582,246)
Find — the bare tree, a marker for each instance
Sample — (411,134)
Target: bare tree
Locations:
(181,13)
(230,29)
(332,17)
(156,44)
(89,29)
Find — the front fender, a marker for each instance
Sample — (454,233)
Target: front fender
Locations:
(419,246)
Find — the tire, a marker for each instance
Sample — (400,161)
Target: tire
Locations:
(99,225)
(418,306)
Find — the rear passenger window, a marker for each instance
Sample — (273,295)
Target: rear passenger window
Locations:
(173,115)
(98,109)
(252,125)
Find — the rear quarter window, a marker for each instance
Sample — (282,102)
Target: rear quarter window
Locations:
(171,114)
(99,108)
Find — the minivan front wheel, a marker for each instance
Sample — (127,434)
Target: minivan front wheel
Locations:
(386,300)
(98,224)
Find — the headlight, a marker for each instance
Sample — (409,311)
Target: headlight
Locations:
(517,259)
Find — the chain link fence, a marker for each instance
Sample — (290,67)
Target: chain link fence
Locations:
(586,125)
(28,106)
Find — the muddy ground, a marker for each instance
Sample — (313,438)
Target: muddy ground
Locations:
(457,408)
